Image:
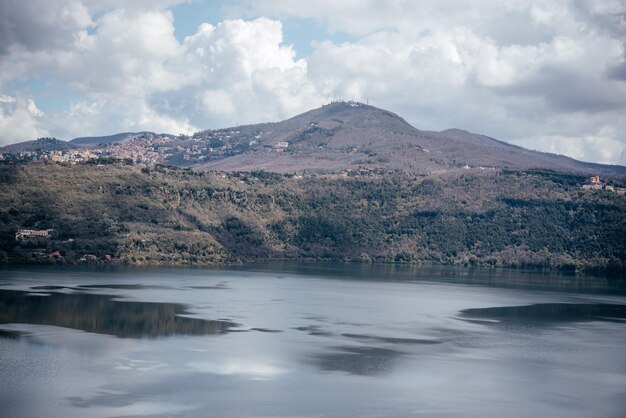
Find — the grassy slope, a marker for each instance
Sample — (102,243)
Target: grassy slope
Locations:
(179,216)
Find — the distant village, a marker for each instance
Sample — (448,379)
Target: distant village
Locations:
(595,183)
(149,149)
(54,156)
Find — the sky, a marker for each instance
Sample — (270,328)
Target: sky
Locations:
(544,74)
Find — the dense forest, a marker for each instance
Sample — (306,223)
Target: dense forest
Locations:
(119,213)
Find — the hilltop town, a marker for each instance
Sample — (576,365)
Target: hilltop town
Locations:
(148,149)
(341,137)
(145,149)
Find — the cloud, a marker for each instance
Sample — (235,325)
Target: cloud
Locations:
(20,120)
(39,25)
(548,75)
(129,54)
(601,147)
(133,74)
(519,22)
(125,57)
(245,74)
(561,80)
(117,115)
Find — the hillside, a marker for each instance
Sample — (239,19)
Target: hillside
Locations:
(349,135)
(123,213)
(88,141)
(337,138)
(41,144)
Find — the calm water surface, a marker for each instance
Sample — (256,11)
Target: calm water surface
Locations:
(309,341)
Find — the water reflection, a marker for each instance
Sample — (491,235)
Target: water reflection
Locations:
(219,286)
(492,277)
(10,334)
(362,361)
(119,286)
(390,340)
(314,330)
(103,315)
(392,346)
(83,287)
(369,360)
(548,313)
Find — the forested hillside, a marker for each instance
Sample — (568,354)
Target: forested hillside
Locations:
(121,213)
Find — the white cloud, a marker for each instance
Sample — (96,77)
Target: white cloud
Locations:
(601,147)
(115,115)
(116,68)
(549,74)
(253,46)
(246,74)
(134,74)
(20,120)
(6,99)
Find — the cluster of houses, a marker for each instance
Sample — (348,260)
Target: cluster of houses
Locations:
(56,156)
(281,146)
(25,234)
(145,149)
(596,184)
(72,156)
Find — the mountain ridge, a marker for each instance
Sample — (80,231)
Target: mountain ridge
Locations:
(364,136)
(341,136)
(105,139)
(43,144)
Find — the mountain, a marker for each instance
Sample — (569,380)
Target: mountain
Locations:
(449,197)
(336,138)
(41,144)
(350,135)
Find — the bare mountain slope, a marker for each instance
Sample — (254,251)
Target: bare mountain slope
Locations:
(336,137)
(348,135)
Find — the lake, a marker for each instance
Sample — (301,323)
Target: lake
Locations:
(310,340)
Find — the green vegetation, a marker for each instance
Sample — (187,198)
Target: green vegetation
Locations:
(171,215)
